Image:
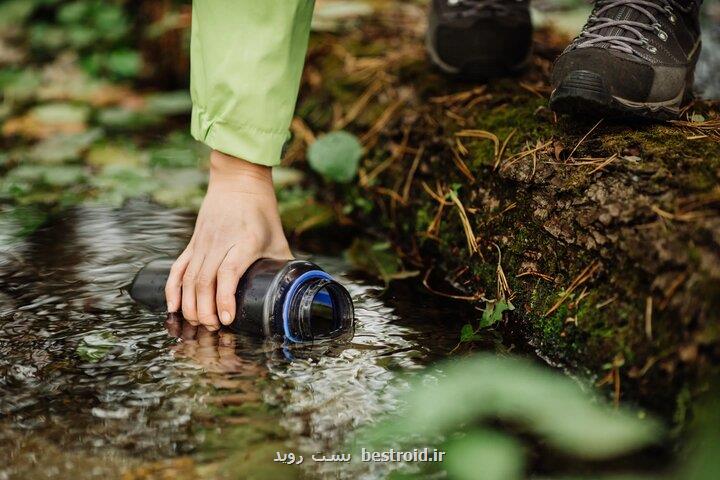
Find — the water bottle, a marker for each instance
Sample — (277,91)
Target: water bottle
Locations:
(294,299)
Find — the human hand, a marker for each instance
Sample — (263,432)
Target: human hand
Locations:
(238,223)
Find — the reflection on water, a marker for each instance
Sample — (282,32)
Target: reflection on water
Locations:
(87,375)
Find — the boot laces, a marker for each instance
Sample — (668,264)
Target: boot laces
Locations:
(625,35)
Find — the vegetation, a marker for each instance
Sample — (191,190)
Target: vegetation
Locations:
(603,235)
(488,425)
(598,244)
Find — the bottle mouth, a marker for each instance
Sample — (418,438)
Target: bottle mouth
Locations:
(316,308)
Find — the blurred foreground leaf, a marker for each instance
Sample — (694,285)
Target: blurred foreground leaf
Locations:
(484,455)
(486,388)
(336,156)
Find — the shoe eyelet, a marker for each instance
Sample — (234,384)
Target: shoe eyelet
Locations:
(671,14)
(661,34)
(648,46)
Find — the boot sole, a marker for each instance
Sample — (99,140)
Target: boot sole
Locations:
(584,93)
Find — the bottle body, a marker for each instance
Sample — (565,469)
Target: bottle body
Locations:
(292,299)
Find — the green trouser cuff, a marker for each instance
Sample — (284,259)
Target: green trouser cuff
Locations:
(242,141)
(246,60)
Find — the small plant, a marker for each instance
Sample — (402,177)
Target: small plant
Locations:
(457,407)
(336,156)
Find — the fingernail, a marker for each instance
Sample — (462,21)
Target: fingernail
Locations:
(171,307)
(225,317)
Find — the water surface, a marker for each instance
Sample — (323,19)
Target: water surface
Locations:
(92,385)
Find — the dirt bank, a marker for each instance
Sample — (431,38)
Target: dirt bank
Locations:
(605,236)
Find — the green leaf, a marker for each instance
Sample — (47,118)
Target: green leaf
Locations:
(79,36)
(336,156)
(111,20)
(63,175)
(484,455)
(19,86)
(300,212)
(47,37)
(73,12)
(169,103)
(494,311)
(15,12)
(377,259)
(52,175)
(125,119)
(60,113)
(124,63)
(63,148)
(114,154)
(94,347)
(486,388)
(16,223)
(179,187)
(118,182)
(466,333)
(701,452)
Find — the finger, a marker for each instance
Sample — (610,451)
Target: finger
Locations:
(189,282)
(188,332)
(233,267)
(173,285)
(227,357)
(205,291)
(173,324)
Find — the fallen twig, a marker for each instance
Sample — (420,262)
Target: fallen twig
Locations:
(584,138)
(467,298)
(469,235)
(587,272)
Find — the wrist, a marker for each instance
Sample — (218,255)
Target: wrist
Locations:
(233,170)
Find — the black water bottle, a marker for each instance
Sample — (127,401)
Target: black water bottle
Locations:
(293,299)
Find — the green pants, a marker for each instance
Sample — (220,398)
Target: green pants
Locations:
(246,61)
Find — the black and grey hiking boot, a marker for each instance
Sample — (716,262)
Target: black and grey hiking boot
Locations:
(480,39)
(633,58)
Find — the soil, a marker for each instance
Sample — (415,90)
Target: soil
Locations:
(604,234)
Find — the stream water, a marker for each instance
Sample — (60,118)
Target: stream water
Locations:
(91,384)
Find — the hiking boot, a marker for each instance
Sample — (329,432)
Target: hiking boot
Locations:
(632,58)
(480,39)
